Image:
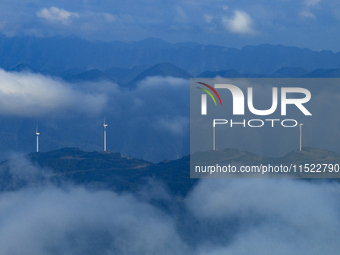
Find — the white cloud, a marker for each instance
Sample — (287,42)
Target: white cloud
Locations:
(161,82)
(180,15)
(208,18)
(42,218)
(312,2)
(219,216)
(78,221)
(240,23)
(54,14)
(267,216)
(307,14)
(176,125)
(109,17)
(27,94)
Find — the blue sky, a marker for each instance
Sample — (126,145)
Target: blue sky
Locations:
(304,23)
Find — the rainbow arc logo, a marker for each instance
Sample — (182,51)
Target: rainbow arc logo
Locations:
(204,97)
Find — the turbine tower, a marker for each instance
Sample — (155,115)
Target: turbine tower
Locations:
(214,137)
(105,125)
(300,135)
(36,132)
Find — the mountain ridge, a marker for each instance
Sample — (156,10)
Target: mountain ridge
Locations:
(121,173)
(64,53)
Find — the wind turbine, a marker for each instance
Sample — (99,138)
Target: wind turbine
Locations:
(105,125)
(214,137)
(36,132)
(300,134)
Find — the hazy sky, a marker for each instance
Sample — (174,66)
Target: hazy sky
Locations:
(234,23)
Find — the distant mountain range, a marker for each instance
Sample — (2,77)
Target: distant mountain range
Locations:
(114,171)
(63,56)
(284,72)
(126,63)
(130,77)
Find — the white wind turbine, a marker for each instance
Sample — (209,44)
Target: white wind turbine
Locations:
(105,125)
(300,135)
(36,132)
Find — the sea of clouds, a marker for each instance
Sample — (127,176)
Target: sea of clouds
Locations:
(218,216)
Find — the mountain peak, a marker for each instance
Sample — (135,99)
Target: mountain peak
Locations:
(153,43)
(23,68)
(93,75)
